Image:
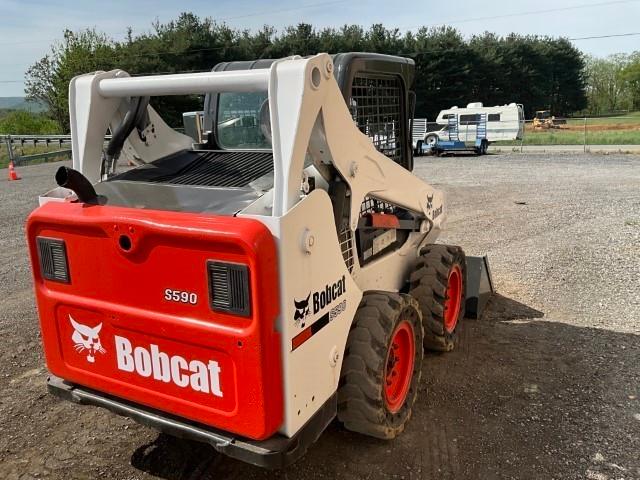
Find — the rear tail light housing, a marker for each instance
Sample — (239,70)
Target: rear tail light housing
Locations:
(229,289)
(52,254)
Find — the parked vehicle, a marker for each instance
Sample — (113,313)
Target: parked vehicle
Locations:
(419,129)
(504,122)
(544,120)
(246,290)
(453,144)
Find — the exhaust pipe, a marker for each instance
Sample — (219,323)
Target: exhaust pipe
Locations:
(72,179)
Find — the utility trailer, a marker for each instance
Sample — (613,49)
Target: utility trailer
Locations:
(246,290)
(454,145)
(418,132)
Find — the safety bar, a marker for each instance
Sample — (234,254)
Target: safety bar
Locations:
(186,83)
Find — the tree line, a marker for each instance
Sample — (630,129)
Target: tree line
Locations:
(21,122)
(540,72)
(613,83)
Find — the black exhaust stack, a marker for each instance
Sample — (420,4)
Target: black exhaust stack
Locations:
(72,179)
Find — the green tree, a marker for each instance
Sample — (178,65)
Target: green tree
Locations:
(607,88)
(443,70)
(48,79)
(539,72)
(631,75)
(26,123)
(563,79)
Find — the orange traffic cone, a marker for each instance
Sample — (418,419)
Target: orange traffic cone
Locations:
(13,175)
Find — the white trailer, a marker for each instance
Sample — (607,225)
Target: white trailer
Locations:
(504,122)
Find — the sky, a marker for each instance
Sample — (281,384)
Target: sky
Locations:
(28,27)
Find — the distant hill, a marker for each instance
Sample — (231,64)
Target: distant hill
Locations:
(19,103)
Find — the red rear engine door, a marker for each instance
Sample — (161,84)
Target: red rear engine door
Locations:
(135,319)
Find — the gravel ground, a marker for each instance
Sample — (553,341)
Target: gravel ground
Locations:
(546,385)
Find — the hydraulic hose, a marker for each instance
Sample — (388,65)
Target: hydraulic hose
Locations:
(136,116)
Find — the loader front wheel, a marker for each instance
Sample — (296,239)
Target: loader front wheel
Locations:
(382,365)
(439,285)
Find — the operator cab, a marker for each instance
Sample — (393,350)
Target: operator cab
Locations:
(232,148)
(376,88)
(231,163)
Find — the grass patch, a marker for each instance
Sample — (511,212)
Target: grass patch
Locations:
(623,130)
(603,137)
(629,118)
(30,150)
(558,137)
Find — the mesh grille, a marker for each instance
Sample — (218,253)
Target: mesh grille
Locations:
(229,287)
(373,205)
(376,107)
(346,246)
(222,169)
(53,259)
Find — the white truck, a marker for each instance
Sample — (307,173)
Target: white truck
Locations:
(504,122)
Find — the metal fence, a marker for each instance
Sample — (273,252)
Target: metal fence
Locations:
(612,133)
(575,134)
(25,149)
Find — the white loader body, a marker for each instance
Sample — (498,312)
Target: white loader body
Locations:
(310,125)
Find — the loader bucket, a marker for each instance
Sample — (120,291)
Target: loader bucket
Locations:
(479,286)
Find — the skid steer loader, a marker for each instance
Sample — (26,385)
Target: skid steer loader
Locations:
(246,290)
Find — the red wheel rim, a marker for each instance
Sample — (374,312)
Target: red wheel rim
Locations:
(399,366)
(453,299)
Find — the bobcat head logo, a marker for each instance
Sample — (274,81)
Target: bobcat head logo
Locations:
(429,202)
(86,338)
(302,310)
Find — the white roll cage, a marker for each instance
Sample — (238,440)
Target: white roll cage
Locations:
(308,116)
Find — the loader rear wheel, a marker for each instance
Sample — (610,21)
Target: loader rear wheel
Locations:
(382,365)
(439,285)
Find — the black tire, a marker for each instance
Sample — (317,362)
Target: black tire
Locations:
(484,147)
(429,284)
(431,140)
(419,148)
(364,404)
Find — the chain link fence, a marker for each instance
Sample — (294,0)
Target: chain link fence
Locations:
(590,133)
(612,133)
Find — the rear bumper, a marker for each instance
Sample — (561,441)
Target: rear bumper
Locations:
(275,452)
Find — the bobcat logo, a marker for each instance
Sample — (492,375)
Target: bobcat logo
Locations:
(429,202)
(86,338)
(302,311)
